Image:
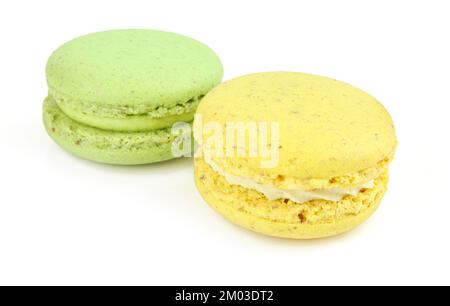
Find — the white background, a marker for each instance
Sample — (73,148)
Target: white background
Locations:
(64,220)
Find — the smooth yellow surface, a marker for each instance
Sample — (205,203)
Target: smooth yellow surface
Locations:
(283,218)
(328,129)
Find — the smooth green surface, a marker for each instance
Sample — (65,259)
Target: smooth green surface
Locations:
(122,74)
(123,148)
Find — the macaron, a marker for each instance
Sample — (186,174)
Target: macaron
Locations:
(114,96)
(293,155)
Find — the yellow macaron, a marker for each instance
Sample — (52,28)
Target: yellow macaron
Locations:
(293,155)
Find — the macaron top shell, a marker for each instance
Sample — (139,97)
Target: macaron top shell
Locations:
(132,72)
(327,128)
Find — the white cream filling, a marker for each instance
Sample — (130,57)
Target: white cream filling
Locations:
(296,195)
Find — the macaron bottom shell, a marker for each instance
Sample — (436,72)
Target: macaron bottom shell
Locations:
(104,146)
(286,219)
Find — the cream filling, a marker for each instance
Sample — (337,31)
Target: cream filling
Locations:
(297,195)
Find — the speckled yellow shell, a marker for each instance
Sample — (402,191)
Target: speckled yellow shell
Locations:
(328,129)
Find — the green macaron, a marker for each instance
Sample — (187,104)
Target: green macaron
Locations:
(114,95)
